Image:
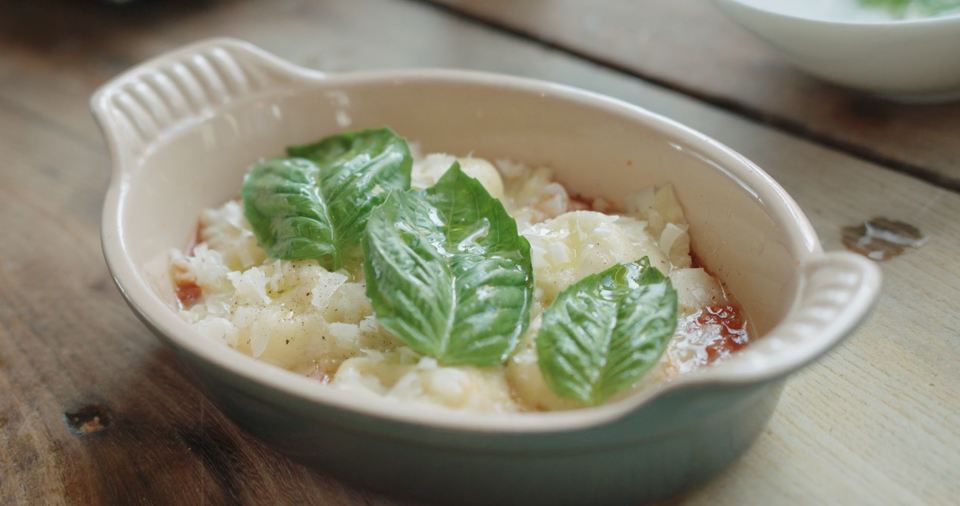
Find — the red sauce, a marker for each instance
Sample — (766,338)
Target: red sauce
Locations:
(707,336)
(579,203)
(733,329)
(729,316)
(695,262)
(189,293)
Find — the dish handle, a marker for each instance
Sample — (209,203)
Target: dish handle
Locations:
(159,97)
(836,293)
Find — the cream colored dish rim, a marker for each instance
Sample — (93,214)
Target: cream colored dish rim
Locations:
(836,292)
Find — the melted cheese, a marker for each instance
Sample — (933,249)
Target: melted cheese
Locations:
(299,316)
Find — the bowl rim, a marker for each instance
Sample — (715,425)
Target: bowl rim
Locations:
(183,338)
(948,19)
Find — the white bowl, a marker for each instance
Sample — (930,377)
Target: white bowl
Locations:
(183,128)
(913,60)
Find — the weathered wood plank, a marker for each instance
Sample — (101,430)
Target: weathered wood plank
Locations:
(872,423)
(689,46)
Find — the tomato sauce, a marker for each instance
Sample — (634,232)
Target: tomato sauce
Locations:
(707,336)
(189,293)
(732,334)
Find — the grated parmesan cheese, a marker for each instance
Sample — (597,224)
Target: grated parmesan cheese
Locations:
(299,316)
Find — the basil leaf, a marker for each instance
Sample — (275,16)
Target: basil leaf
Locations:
(604,332)
(447,272)
(317,205)
(283,204)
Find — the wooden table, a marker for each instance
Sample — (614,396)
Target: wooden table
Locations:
(875,422)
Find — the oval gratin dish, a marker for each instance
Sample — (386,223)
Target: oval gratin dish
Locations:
(183,128)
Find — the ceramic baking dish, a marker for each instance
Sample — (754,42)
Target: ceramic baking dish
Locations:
(183,128)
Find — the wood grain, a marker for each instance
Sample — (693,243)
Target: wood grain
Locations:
(873,423)
(689,46)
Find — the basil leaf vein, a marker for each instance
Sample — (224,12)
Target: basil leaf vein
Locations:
(604,332)
(316,204)
(447,272)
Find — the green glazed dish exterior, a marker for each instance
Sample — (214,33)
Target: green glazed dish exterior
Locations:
(677,441)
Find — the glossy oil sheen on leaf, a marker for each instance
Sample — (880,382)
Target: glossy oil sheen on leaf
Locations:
(316,204)
(604,332)
(447,272)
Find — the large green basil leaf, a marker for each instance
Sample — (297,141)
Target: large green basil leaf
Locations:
(447,272)
(604,332)
(316,205)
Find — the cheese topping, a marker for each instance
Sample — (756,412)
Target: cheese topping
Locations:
(301,317)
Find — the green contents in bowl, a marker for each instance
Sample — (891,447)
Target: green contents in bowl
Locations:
(913,8)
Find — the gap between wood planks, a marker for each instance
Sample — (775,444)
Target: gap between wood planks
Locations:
(772,120)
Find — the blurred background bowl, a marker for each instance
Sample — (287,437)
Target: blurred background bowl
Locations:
(911,60)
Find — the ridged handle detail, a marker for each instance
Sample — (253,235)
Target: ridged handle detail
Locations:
(836,293)
(142,105)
